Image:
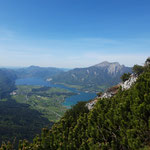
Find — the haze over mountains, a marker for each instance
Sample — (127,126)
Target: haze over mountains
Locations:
(37,72)
(94,78)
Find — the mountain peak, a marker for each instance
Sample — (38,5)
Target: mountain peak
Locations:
(113,68)
(33,66)
(107,64)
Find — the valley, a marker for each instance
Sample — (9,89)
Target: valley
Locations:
(74,75)
(46,100)
(118,122)
(34,103)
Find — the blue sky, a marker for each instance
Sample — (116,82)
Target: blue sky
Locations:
(74,33)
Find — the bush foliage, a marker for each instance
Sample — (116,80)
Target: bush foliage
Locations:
(125,76)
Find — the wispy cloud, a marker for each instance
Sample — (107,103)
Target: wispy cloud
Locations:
(77,52)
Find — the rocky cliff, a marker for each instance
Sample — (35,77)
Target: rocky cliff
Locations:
(113,90)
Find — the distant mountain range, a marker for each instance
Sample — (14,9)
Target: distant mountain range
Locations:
(37,72)
(97,77)
(94,78)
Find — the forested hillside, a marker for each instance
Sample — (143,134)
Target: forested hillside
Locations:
(17,121)
(121,122)
(7,82)
(37,72)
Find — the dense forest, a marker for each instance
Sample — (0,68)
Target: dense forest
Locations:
(7,82)
(118,123)
(19,121)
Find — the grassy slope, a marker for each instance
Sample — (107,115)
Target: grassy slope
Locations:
(47,101)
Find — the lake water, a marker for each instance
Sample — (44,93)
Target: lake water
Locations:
(72,100)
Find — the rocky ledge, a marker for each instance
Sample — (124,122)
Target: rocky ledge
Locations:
(113,90)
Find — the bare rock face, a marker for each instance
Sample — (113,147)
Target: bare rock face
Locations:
(103,64)
(110,92)
(127,84)
(113,90)
(112,68)
(91,104)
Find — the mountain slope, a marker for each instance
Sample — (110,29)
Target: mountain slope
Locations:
(97,77)
(121,122)
(18,121)
(7,82)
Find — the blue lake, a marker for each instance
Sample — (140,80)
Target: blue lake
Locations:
(72,100)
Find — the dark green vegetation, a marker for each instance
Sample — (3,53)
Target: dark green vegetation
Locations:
(147,62)
(46,100)
(28,110)
(138,69)
(121,122)
(19,121)
(96,78)
(7,82)
(37,72)
(125,76)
